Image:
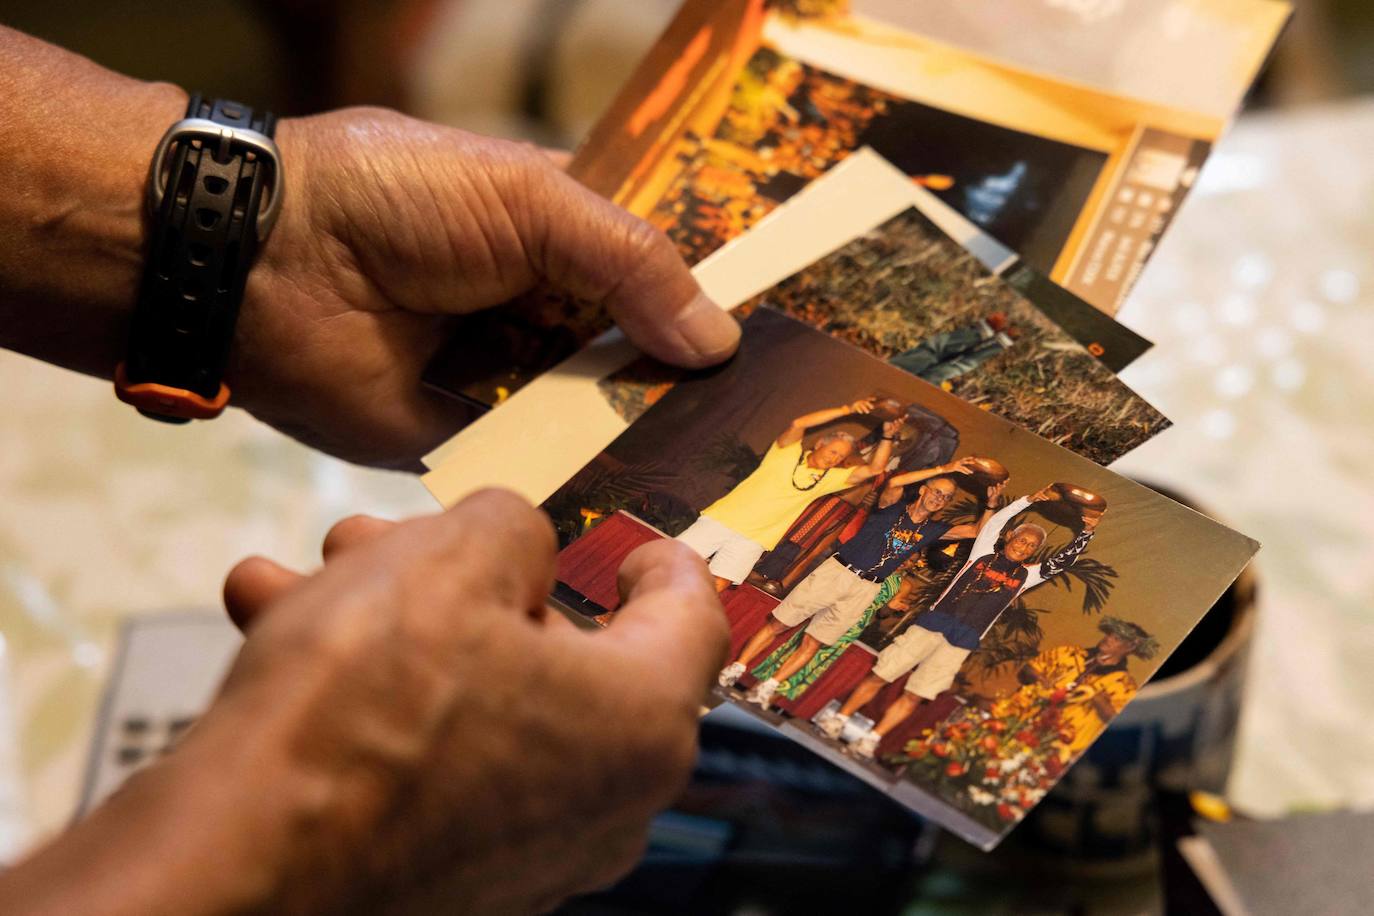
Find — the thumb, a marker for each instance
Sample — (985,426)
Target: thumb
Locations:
(671,616)
(584,245)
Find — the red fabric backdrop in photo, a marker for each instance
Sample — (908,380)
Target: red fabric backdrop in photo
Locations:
(589,564)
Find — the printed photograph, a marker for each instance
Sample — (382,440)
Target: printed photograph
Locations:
(860,193)
(907,293)
(742,103)
(929,596)
(789,122)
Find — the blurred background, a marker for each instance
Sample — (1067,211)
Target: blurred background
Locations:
(1257,301)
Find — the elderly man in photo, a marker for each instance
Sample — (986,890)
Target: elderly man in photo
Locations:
(735,530)
(933,650)
(838,592)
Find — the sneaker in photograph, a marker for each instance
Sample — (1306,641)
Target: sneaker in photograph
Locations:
(855,727)
(830,723)
(731,673)
(762,694)
(867,746)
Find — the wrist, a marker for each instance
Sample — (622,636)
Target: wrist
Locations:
(161,838)
(72,218)
(258,371)
(288,822)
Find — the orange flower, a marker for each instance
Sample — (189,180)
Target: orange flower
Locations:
(955,768)
(989,744)
(940,750)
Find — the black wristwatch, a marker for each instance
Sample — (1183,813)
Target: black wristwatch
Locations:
(214,192)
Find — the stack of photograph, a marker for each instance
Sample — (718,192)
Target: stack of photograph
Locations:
(899,484)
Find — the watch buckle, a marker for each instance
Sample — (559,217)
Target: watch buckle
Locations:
(207,131)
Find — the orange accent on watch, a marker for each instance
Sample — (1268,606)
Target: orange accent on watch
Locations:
(165,401)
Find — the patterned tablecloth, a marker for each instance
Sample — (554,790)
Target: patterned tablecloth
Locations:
(1258,302)
(104,514)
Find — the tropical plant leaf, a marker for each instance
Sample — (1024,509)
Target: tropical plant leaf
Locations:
(727,454)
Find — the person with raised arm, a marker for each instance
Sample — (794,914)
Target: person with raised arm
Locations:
(736,530)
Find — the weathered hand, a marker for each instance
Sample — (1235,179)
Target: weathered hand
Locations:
(519,758)
(390,226)
(1045,494)
(409,730)
(995,492)
(892,427)
(1091,518)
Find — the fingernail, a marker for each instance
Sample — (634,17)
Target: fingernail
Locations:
(708,329)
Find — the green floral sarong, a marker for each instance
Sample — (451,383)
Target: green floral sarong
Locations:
(811,672)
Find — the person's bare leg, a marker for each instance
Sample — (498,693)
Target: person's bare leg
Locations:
(810,645)
(761,638)
(897,713)
(868,689)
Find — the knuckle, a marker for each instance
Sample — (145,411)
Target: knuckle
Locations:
(241,571)
(520,153)
(513,515)
(341,530)
(495,500)
(642,241)
(518,168)
(341,640)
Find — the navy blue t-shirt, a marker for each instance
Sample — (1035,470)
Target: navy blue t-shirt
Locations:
(979,594)
(886,539)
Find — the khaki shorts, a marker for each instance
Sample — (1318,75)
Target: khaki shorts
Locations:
(935,660)
(832,598)
(730,554)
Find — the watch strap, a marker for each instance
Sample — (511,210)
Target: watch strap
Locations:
(205,228)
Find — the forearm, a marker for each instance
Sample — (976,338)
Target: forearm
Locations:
(238,820)
(816,418)
(73,171)
(910,477)
(162,843)
(1065,558)
(881,456)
